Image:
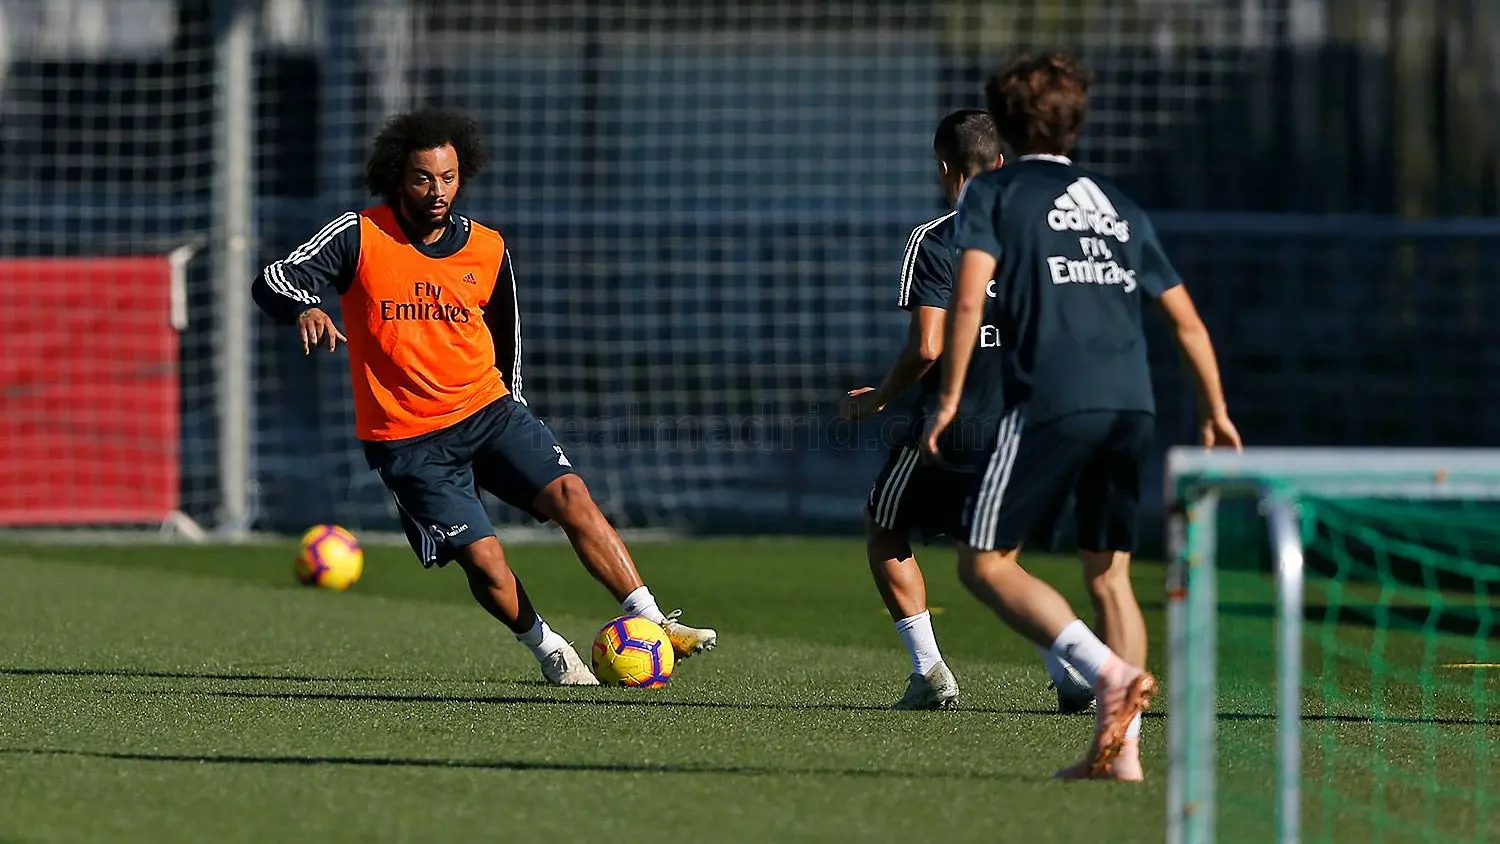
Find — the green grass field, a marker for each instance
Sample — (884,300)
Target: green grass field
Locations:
(199,694)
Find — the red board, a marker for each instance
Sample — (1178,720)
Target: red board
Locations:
(89,415)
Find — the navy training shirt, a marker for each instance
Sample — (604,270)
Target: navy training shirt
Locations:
(1076,260)
(927,273)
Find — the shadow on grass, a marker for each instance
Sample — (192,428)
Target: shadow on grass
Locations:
(503,765)
(547,700)
(140,673)
(588,697)
(1053,713)
(1363,719)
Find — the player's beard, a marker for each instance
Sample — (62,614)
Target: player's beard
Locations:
(418,214)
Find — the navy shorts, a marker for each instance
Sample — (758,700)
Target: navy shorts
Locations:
(436,477)
(909,493)
(1094,457)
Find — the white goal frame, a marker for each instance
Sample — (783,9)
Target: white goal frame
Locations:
(1196,481)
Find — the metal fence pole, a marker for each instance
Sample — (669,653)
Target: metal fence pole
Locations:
(1177,672)
(1286,539)
(234,85)
(1192,619)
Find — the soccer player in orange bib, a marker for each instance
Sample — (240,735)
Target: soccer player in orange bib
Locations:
(434,340)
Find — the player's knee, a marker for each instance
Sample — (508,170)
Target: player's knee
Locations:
(882,544)
(984,572)
(485,559)
(971,573)
(568,502)
(1107,575)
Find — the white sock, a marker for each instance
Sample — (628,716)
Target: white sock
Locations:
(642,604)
(1057,667)
(916,632)
(1134,730)
(541,639)
(1078,645)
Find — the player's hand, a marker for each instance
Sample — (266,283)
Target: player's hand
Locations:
(1219,430)
(937,423)
(861,403)
(315,325)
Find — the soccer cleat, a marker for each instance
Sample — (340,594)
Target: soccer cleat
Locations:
(937,689)
(1074,697)
(563,667)
(1120,699)
(686,640)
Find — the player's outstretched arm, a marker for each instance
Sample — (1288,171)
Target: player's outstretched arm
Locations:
(1198,350)
(974,274)
(289,289)
(924,344)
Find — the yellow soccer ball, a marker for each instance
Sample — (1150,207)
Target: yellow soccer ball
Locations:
(631,651)
(329,558)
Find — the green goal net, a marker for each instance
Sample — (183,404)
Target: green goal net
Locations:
(1334,621)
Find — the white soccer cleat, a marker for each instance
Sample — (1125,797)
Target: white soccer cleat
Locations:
(937,689)
(563,667)
(686,640)
(1074,697)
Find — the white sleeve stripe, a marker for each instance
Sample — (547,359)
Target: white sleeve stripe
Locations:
(905,257)
(303,295)
(515,303)
(318,241)
(337,223)
(275,274)
(913,248)
(306,295)
(277,283)
(909,260)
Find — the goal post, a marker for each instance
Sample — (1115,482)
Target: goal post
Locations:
(1382,568)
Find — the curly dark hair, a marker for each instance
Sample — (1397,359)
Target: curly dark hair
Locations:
(414,131)
(1039,101)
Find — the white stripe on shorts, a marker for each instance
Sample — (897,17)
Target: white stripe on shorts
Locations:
(889,503)
(986,517)
(429,550)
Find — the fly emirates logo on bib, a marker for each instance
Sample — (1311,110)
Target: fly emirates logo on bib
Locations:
(426,305)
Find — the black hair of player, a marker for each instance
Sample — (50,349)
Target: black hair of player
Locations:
(966,140)
(415,131)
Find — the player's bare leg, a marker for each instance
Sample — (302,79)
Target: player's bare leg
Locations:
(602,551)
(902,588)
(894,568)
(500,592)
(1036,610)
(1123,628)
(567,502)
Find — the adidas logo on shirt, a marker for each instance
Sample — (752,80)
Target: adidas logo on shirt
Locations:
(1083,207)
